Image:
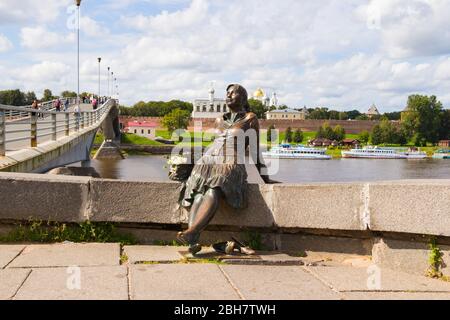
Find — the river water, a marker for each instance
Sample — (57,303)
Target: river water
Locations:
(152,168)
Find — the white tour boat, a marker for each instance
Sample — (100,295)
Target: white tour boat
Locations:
(286,151)
(383,153)
(442,154)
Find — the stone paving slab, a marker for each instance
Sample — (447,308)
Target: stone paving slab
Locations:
(8,253)
(364,279)
(180,282)
(10,281)
(396,296)
(160,254)
(280,259)
(96,283)
(277,283)
(261,258)
(70,254)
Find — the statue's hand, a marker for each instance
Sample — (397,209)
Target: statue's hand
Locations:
(267,180)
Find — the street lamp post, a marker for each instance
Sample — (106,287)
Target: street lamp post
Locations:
(115,84)
(99,61)
(78,3)
(112,83)
(109,68)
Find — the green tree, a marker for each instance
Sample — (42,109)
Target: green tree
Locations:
(423,119)
(364,136)
(298,136)
(444,133)
(319,114)
(68,94)
(343,116)
(288,135)
(12,98)
(333,115)
(30,96)
(395,116)
(177,119)
(353,114)
(48,95)
(338,133)
(325,131)
(362,117)
(257,108)
(377,135)
(271,131)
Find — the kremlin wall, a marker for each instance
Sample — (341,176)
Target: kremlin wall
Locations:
(350,126)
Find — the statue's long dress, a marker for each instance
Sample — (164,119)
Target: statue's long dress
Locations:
(223,164)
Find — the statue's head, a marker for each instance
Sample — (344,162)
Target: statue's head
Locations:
(237,98)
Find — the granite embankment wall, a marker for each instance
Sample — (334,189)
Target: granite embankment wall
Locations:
(354,217)
(306,125)
(411,206)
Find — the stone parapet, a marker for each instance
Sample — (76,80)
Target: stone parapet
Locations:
(416,207)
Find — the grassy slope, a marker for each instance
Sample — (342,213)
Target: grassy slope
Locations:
(130,138)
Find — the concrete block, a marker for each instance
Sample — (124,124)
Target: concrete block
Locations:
(411,257)
(376,279)
(258,213)
(180,282)
(10,282)
(8,253)
(421,207)
(319,206)
(137,202)
(98,283)
(159,254)
(312,243)
(70,254)
(277,283)
(396,296)
(41,197)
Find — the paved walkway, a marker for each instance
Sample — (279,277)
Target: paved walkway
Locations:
(105,271)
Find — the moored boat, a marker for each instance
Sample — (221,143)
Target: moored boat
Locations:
(383,153)
(442,154)
(286,151)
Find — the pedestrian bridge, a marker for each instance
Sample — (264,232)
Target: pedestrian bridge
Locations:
(35,141)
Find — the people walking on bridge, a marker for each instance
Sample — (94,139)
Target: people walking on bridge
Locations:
(40,114)
(35,106)
(94,103)
(66,105)
(57,105)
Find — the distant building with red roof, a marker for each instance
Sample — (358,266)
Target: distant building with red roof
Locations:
(142,128)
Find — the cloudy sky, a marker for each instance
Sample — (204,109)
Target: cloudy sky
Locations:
(337,53)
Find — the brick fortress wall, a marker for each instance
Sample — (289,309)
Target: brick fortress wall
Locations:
(354,127)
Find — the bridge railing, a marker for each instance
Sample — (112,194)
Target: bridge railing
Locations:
(42,123)
(44,106)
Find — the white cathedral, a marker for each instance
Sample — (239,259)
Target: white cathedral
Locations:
(213,108)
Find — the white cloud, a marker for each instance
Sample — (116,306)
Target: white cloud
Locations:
(325,52)
(40,37)
(92,28)
(412,27)
(166,22)
(14,12)
(5,44)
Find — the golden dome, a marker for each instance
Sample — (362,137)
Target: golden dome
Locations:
(259,94)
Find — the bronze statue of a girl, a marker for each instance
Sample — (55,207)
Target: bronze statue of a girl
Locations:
(221,171)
